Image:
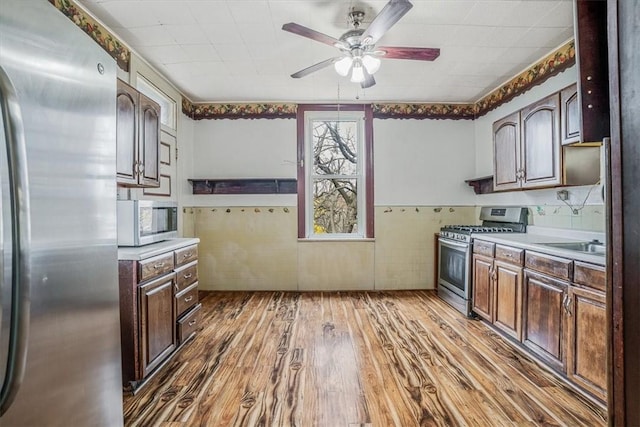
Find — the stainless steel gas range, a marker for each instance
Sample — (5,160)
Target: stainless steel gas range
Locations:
(454,254)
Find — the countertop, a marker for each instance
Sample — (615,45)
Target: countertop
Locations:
(532,239)
(148,251)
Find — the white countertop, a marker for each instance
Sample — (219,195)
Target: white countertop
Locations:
(532,239)
(126,253)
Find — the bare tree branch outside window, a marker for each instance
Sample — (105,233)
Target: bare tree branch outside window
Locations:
(335,163)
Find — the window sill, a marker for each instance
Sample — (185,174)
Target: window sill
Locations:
(338,239)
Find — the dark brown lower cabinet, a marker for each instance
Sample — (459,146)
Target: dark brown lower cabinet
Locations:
(543,317)
(508,299)
(587,333)
(159,310)
(483,286)
(157,324)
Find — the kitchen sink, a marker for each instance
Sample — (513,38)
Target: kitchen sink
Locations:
(593,247)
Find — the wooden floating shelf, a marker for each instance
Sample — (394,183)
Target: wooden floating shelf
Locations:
(482,185)
(244,186)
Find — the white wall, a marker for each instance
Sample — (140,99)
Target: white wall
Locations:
(412,160)
(243,149)
(423,162)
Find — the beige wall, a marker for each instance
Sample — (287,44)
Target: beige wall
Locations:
(256,248)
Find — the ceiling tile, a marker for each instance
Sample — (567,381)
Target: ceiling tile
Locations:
(231,51)
(222,33)
(210,12)
(130,14)
(235,50)
(249,11)
(200,52)
(168,12)
(150,36)
(187,34)
(559,16)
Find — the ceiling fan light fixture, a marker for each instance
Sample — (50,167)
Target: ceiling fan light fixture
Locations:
(343,66)
(371,63)
(357,73)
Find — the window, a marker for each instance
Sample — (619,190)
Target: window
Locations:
(335,191)
(167,105)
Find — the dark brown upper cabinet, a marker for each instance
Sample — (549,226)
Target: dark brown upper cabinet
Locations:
(138,138)
(526,147)
(590,29)
(570,115)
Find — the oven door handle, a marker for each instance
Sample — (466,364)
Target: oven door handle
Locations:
(452,244)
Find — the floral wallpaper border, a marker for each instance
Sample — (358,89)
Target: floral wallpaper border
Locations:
(238,111)
(554,63)
(424,111)
(104,38)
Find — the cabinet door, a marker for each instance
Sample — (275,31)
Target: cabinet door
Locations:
(569,115)
(157,322)
(149,142)
(483,286)
(543,317)
(506,153)
(508,299)
(127,134)
(541,143)
(587,340)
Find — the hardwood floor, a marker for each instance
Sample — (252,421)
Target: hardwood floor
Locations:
(351,359)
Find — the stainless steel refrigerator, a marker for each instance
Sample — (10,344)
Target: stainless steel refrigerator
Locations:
(60,340)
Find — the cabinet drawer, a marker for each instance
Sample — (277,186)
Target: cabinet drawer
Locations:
(483,248)
(561,268)
(186,275)
(186,299)
(589,275)
(154,267)
(186,255)
(509,254)
(188,324)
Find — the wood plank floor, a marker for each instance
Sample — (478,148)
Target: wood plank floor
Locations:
(350,359)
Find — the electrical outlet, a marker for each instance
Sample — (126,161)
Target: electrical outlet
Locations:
(563,195)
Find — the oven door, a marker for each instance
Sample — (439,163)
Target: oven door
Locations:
(454,263)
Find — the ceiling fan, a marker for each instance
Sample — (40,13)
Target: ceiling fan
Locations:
(360,56)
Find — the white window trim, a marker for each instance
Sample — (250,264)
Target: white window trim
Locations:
(309,118)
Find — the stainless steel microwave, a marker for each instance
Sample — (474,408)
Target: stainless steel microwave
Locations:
(141,222)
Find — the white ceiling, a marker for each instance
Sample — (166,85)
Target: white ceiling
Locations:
(236,51)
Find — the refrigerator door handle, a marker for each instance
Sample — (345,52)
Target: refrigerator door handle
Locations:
(21,241)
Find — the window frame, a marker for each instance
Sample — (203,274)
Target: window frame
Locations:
(304,190)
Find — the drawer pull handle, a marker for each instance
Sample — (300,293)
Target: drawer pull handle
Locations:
(187,276)
(191,323)
(187,255)
(160,265)
(508,255)
(189,298)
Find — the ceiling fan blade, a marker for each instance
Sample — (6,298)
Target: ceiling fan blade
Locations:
(300,30)
(416,53)
(368,80)
(315,67)
(390,14)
